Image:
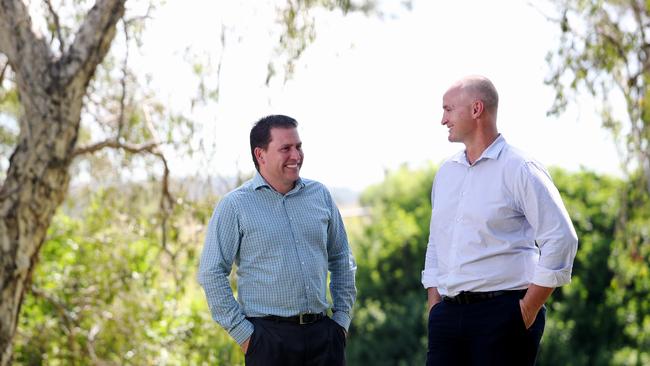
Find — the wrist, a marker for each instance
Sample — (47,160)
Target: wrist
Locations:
(342,318)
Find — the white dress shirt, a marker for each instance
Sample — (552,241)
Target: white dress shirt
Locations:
(498,224)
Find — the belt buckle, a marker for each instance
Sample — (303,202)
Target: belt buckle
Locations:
(301,321)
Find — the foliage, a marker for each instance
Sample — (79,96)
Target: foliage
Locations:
(94,276)
(581,329)
(598,319)
(630,260)
(106,291)
(605,51)
(299,30)
(390,314)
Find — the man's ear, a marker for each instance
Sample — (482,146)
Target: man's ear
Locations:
(477,108)
(258,155)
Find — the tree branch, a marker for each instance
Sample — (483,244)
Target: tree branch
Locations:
(2,73)
(23,48)
(112,143)
(57,25)
(65,313)
(69,320)
(166,203)
(140,18)
(639,10)
(166,199)
(71,323)
(92,41)
(125,73)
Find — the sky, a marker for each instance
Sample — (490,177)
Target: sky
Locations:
(367,92)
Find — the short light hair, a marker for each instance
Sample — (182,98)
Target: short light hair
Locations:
(481,88)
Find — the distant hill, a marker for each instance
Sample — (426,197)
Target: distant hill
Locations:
(198,188)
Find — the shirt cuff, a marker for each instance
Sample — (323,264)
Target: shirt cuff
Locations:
(430,278)
(549,278)
(343,319)
(242,331)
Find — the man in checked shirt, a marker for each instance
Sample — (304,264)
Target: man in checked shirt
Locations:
(500,240)
(284,233)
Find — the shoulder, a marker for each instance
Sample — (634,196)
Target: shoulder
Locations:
(523,167)
(453,161)
(517,159)
(314,190)
(233,198)
(513,155)
(311,185)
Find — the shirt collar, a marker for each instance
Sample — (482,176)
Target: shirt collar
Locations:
(492,152)
(259,182)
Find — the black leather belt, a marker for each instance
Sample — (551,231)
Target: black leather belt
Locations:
(466,297)
(298,319)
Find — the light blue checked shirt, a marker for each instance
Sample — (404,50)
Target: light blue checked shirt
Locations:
(283,246)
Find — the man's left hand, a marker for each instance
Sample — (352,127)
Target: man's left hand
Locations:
(530,305)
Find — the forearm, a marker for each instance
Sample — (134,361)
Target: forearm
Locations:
(343,289)
(433,297)
(225,310)
(222,242)
(536,296)
(342,268)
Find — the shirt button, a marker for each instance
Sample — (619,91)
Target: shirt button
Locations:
(458,219)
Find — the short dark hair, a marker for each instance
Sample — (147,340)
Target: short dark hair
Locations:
(261,132)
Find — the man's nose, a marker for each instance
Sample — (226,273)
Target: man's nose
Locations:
(295,154)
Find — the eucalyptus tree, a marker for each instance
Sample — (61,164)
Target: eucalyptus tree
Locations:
(50,77)
(604,52)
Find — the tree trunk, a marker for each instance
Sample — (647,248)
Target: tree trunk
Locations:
(39,171)
(51,95)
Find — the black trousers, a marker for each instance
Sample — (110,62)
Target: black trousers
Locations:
(489,332)
(276,343)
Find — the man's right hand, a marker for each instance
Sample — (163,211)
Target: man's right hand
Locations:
(433,297)
(244,346)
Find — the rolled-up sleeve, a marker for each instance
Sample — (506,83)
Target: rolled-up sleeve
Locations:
(554,233)
(221,244)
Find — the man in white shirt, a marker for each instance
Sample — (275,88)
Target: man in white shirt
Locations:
(500,240)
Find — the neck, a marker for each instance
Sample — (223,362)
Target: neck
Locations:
(475,148)
(279,187)
(284,189)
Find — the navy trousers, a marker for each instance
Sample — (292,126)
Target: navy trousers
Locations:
(276,343)
(489,332)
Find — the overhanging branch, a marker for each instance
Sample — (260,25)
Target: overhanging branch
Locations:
(166,199)
(132,148)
